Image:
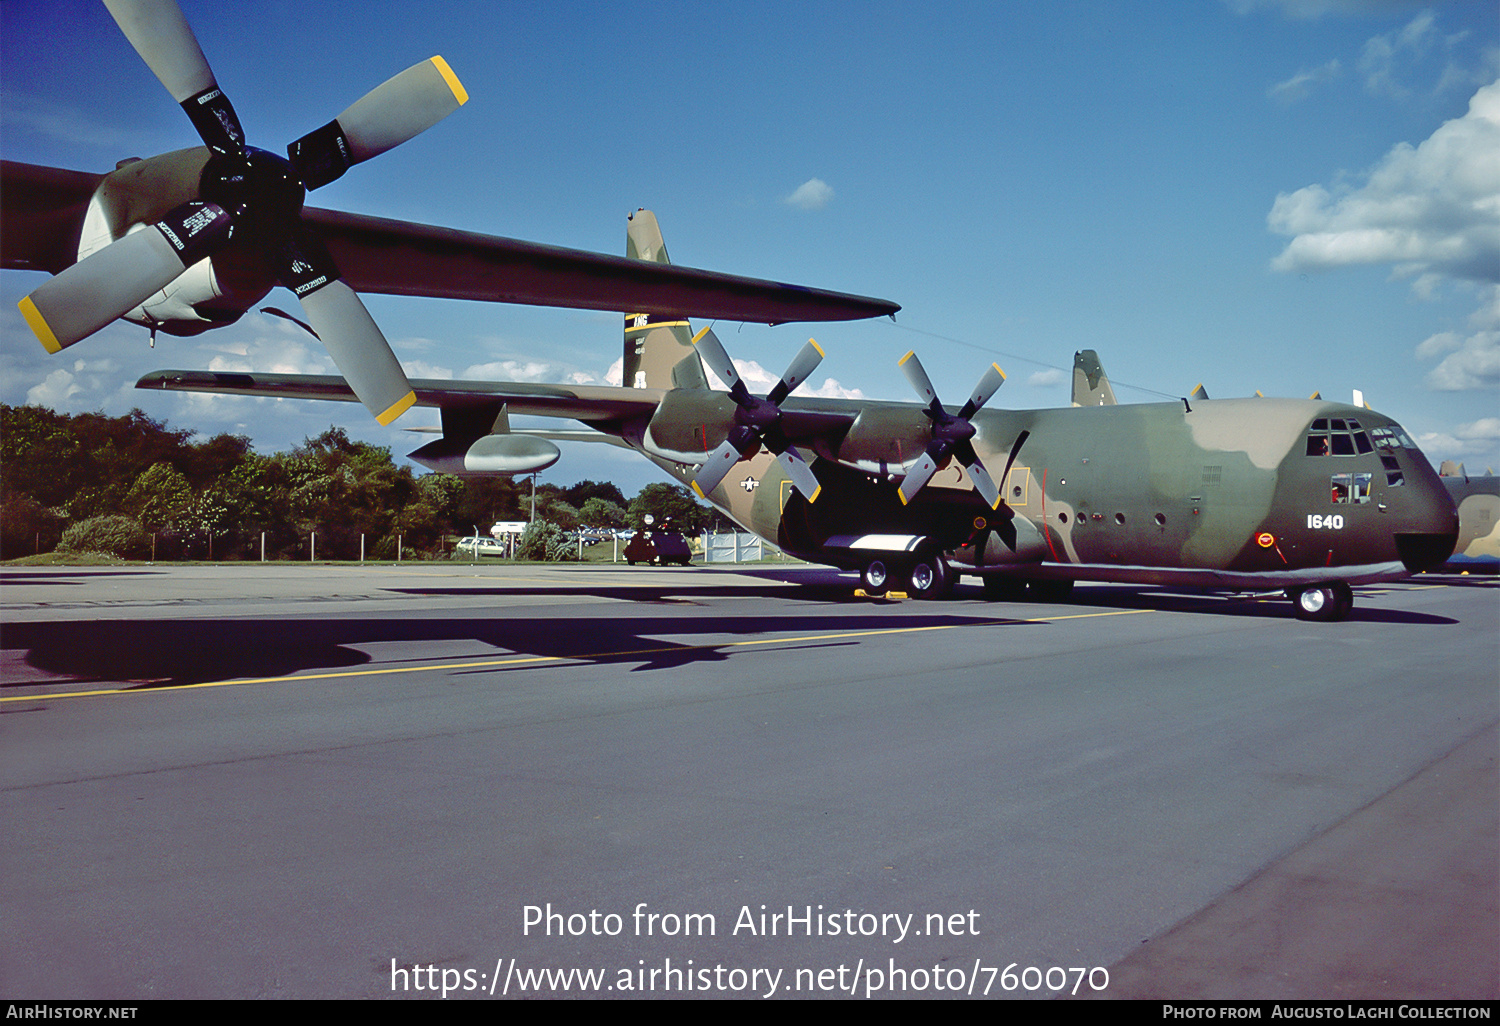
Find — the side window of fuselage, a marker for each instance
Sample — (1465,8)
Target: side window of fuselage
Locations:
(1350,489)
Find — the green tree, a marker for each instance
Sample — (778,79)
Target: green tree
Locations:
(603,514)
(671,506)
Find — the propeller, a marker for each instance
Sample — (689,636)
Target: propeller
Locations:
(952,436)
(250,196)
(757,421)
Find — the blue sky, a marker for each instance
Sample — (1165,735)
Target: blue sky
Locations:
(1283,196)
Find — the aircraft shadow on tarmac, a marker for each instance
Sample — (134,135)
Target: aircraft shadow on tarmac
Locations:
(69,576)
(969,598)
(159,653)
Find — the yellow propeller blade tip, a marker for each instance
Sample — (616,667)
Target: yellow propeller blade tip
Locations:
(396,408)
(459,92)
(39,326)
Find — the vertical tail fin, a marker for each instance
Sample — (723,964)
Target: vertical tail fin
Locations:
(1090,386)
(659,350)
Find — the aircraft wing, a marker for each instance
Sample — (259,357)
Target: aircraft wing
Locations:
(42,215)
(590,403)
(604,406)
(44,208)
(403,259)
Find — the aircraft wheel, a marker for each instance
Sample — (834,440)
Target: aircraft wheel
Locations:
(1052,590)
(1343,599)
(931,578)
(1324,603)
(1003,589)
(875,578)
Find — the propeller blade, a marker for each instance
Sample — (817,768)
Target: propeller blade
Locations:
(387,116)
(713,354)
(91,293)
(987,387)
(804,363)
(161,35)
(802,477)
(713,470)
(164,40)
(918,378)
(983,483)
(361,352)
(920,473)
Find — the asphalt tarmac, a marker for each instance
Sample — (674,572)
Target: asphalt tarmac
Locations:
(437,780)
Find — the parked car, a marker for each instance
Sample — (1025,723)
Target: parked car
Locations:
(479,547)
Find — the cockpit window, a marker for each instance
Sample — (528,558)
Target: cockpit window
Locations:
(1387,440)
(1337,437)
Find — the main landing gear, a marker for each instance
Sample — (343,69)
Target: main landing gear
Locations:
(927,577)
(1323,602)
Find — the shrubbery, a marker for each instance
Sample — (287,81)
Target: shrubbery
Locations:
(543,541)
(117,535)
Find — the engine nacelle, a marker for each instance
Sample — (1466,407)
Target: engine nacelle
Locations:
(210,293)
(490,455)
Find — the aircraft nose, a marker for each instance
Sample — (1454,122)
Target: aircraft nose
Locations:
(1434,531)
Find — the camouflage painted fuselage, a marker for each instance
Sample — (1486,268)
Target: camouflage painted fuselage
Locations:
(1478,501)
(1223,494)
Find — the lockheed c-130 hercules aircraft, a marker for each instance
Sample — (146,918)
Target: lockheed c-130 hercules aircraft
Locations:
(1302,496)
(185,242)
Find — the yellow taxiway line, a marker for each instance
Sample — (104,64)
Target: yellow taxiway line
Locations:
(581,657)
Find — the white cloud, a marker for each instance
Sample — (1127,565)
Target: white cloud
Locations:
(1476,439)
(1047,378)
(1308,10)
(1471,361)
(54,391)
(423,369)
(1437,345)
(531,370)
(1486,429)
(1383,55)
(813,194)
(1300,85)
(1432,208)
(760,381)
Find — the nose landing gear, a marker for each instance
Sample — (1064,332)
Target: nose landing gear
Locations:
(1324,603)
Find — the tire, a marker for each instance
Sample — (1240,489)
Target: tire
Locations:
(875,578)
(1343,600)
(1324,603)
(931,578)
